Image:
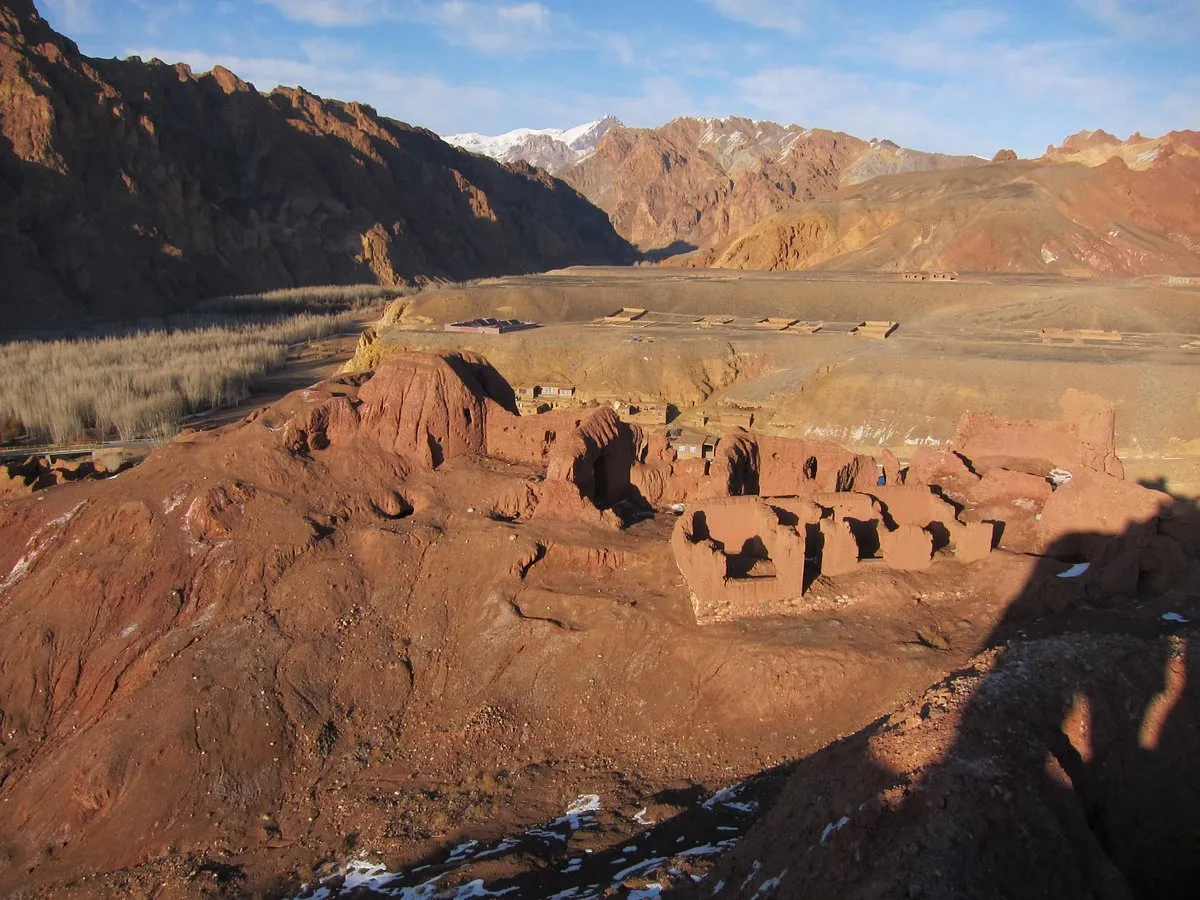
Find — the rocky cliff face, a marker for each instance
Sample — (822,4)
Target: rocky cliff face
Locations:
(1030,216)
(129,187)
(696,182)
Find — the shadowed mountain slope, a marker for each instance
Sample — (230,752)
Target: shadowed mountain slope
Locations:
(130,187)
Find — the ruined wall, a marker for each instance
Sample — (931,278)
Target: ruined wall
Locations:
(722,546)
(790,466)
(1084,437)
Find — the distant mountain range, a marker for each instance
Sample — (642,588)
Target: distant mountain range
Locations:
(744,193)
(695,182)
(130,187)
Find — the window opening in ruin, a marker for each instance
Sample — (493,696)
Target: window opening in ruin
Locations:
(810,468)
(750,561)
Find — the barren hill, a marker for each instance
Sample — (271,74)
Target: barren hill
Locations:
(1094,148)
(1018,216)
(131,187)
(698,181)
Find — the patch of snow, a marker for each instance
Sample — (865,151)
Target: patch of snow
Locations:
(1075,571)
(834,827)
(649,892)
(577,816)
(1047,256)
(644,866)
(128,630)
(462,851)
(709,849)
(1059,476)
(640,817)
(755,868)
(476,889)
(361,873)
(1174,617)
(718,887)
(769,885)
(724,794)
(503,847)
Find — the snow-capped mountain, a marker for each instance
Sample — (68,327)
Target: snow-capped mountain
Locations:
(553,149)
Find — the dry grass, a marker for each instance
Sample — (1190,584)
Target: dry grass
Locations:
(319,298)
(142,384)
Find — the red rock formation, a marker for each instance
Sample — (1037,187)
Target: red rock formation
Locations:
(839,549)
(420,408)
(147,186)
(696,182)
(1117,218)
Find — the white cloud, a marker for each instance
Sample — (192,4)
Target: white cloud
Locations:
(72,16)
(335,13)
(845,101)
(513,28)
(776,15)
(518,27)
(1146,19)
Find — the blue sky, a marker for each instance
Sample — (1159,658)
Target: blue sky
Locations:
(964,78)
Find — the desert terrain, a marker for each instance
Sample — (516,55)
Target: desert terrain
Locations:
(973,344)
(398,634)
(371,525)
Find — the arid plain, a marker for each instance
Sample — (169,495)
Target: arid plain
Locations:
(975,344)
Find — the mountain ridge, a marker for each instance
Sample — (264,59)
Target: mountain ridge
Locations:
(1039,216)
(552,149)
(129,188)
(695,182)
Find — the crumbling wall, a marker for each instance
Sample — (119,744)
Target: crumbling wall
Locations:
(719,544)
(1082,438)
(790,466)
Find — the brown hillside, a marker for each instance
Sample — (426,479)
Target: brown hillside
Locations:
(1032,216)
(131,187)
(698,181)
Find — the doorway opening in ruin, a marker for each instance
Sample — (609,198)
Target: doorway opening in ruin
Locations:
(866,535)
(437,455)
(751,560)
(601,482)
(814,547)
(810,468)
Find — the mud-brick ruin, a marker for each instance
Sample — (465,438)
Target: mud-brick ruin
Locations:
(767,516)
